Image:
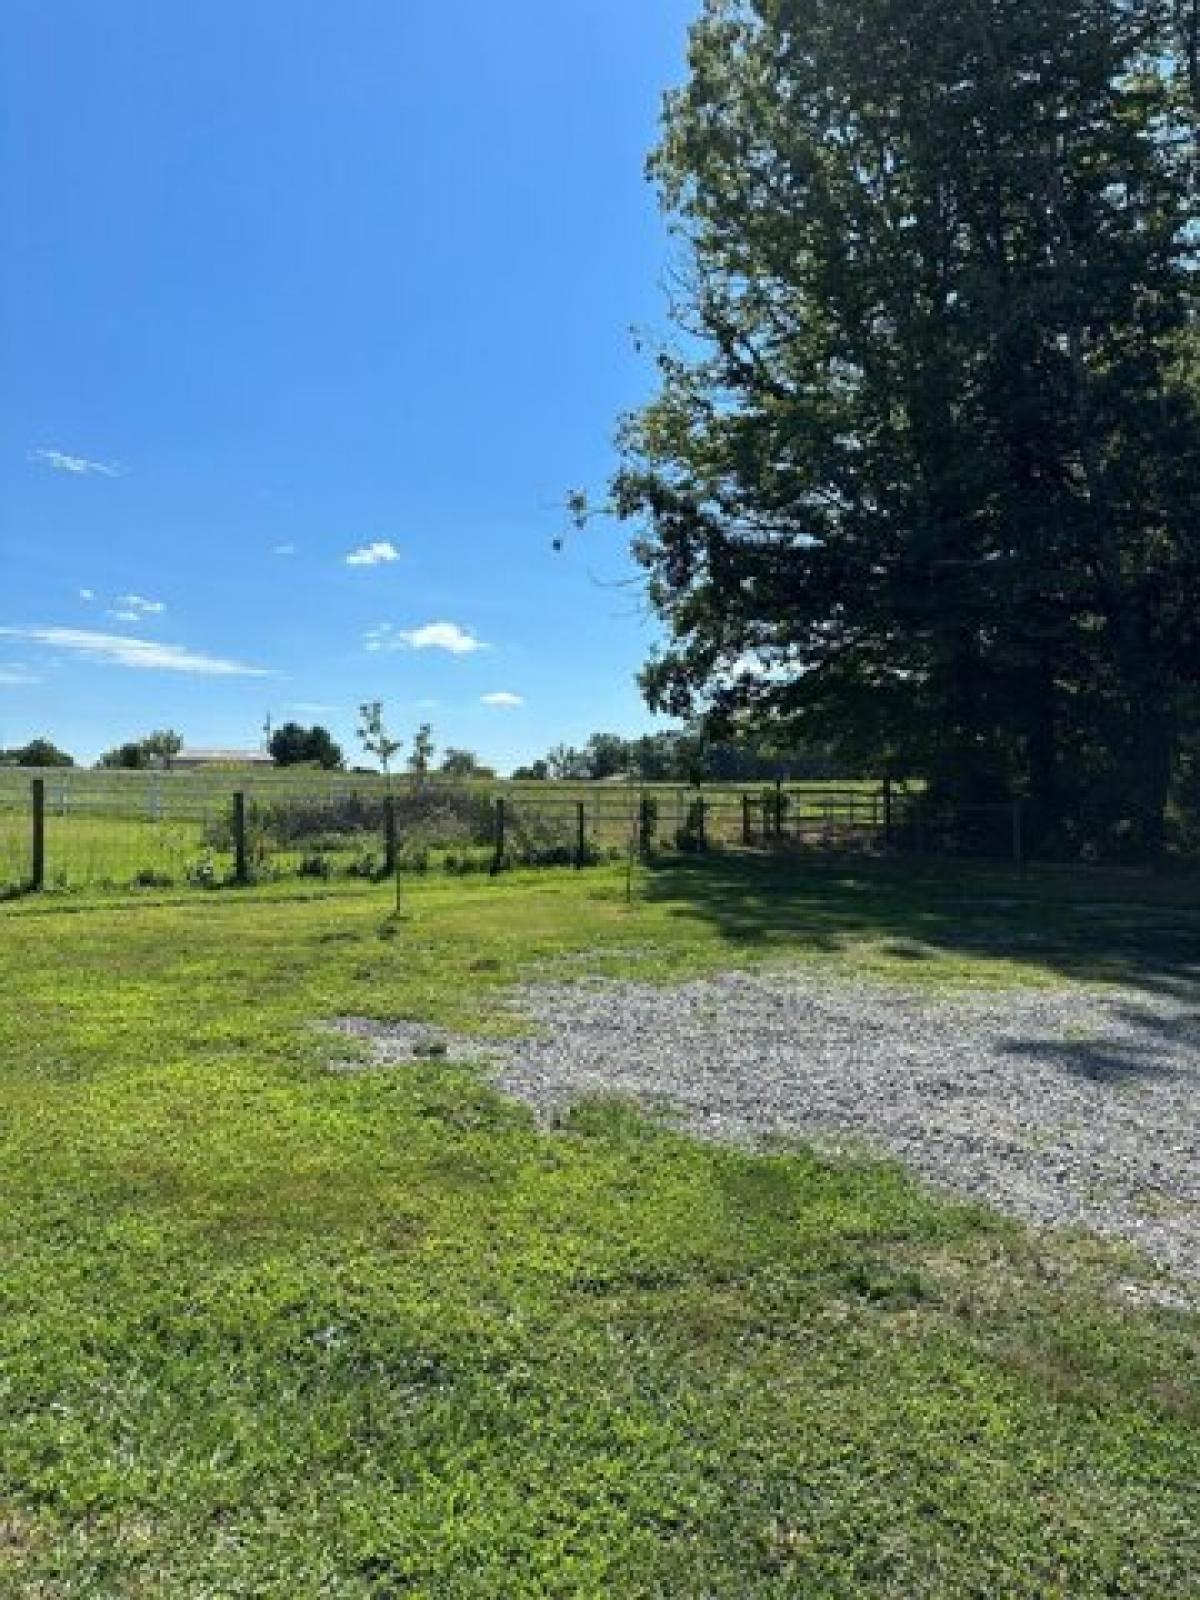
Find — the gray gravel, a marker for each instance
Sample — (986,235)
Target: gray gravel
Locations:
(1064,1107)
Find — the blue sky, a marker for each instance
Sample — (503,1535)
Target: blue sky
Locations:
(284,283)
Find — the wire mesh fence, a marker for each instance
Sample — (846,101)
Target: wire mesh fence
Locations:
(71,829)
(16,867)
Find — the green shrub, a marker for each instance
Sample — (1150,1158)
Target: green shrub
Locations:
(152,878)
(202,873)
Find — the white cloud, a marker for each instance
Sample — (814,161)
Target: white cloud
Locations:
(503,698)
(373,555)
(284,550)
(135,608)
(15,674)
(87,594)
(116,650)
(312,708)
(78,466)
(448,636)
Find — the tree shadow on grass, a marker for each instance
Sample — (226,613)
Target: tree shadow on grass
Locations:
(1136,930)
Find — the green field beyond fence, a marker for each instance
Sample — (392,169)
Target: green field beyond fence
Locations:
(68,829)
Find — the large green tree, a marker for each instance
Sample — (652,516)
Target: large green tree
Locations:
(922,473)
(293,745)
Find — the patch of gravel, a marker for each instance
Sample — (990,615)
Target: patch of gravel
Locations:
(1064,1107)
(394,1044)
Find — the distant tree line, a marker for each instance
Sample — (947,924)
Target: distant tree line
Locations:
(688,755)
(292,745)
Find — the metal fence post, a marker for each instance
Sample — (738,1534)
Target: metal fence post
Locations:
(37,873)
(241,865)
(1018,842)
(747,829)
(779,808)
(580,835)
(702,822)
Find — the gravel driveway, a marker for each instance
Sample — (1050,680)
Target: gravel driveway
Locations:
(1064,1106)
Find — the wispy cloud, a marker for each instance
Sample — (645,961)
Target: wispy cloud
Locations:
(135,608)
(503,698)
(78,466)
(376,554)
(87,594)
(143,655)
(448,636)
(284,550)
(15,674)
(311,708)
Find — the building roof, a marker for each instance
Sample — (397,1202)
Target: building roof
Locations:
(224,758)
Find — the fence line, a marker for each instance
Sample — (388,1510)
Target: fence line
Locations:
(62,830)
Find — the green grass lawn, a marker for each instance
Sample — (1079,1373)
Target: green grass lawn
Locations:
(267,1330)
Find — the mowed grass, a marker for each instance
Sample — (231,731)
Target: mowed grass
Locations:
(270,1330)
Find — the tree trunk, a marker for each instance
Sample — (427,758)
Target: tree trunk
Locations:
(1044,813)
(1152,752)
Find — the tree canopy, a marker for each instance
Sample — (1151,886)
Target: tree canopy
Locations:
(37,753)
(922,476)
(157,749)
(460,763)
(420,757)
(293,745)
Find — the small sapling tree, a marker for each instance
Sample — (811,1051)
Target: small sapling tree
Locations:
(376,741)
(421,759)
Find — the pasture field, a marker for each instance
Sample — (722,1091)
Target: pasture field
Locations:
(158,791)
(272,1329)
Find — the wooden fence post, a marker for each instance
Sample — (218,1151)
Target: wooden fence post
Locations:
(747,829)
(37,873)
(888,832)
(498,858)
(702,822)
(1018,842)
(580,835)
(779,808)
(241,864)
(646,824)
(390,851)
